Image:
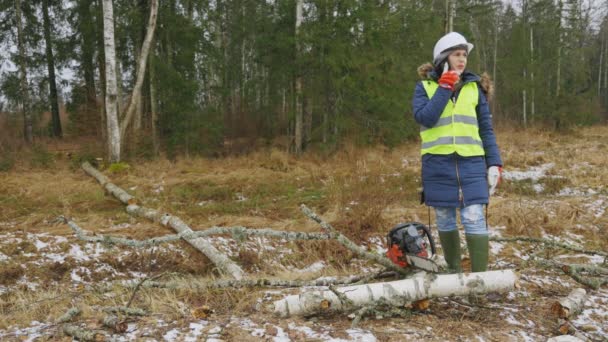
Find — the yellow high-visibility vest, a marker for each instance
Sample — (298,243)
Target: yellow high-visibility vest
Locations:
(457,130)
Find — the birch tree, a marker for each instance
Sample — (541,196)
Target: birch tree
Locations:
(111,91)
(116,130)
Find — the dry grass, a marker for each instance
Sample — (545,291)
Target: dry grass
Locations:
(362,192)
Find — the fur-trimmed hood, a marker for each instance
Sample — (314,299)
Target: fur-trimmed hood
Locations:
(427,71)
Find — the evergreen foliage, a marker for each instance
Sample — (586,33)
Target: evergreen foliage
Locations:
(221,74)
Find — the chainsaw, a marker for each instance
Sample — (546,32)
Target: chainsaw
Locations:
(408,245)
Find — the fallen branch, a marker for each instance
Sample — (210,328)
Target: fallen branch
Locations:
(576,272)
(138,286)
(548,242)
(399,292)
(198,284)
(112,322)
(381,308)
(237,232)
(68,315)
(82,334)
(223,263)
(125,310)
(333,233)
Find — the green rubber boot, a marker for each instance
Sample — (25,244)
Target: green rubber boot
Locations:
(478,251)
(450,242)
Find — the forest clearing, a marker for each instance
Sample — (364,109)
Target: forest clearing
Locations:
(554,190)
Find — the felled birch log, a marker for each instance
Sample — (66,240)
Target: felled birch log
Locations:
(220,260)
(399,292)
(571,305)
(358,250)
(116,191)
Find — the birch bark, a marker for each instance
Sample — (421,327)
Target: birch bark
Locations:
(111,90)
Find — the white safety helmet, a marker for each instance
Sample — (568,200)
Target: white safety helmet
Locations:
(447,42)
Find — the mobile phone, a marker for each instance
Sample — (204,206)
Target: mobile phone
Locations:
(446,67)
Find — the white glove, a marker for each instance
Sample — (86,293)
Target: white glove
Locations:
(493,178)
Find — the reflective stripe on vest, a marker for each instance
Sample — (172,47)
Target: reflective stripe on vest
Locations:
(457,130)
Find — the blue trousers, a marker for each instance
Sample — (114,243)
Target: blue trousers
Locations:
(471,217)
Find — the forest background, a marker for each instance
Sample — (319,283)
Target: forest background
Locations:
(225,77)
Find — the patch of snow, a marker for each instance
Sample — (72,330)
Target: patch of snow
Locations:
(171,335)
(30,285)
(317,266)
(196,330)
(535,173)
(518,254)
(594,259)
(496,247)
(595,311)
(598,207)
(75,275)
(538,188)
(361,335)
(240,197)
(511,320)
(258,332)
(378,243)
(121,225)
(567,191)
(40,245)
(3,257)
(32,333)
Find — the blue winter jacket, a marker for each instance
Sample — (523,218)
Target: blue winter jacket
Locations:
(444,175)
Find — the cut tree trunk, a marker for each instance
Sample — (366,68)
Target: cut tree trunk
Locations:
(399,292)
(571,305)
(220,260)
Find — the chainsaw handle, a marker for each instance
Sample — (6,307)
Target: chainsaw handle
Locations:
(427,231)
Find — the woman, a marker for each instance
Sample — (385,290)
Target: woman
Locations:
(460,158)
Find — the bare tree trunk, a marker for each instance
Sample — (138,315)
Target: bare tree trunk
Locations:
(50,61)
(102,72)
(25,98)
(111,91)
(119,95)
(153,105)
(523,98)
(559,51)
(451,13)
(532,107)
(606,61)
(141,68)
(493,103)
(298,85)
(599,76)
(89,125)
